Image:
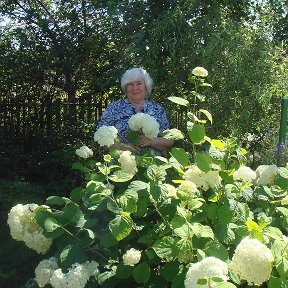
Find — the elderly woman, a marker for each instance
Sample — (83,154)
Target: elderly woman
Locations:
(137,85)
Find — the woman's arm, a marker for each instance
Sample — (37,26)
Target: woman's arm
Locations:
(159,143)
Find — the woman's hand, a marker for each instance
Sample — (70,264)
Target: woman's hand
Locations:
(145,142)
(158,143)
(128,146)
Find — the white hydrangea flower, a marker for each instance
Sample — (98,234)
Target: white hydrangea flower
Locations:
(202,180)
(266,174)
(44,271)
(145,123)
(197,176)
(171,191)
(128,163)
(21,220)
(212,178)
(91,267)
(150,127)
(84,152)
(135,122)
(252,261)
(244,173)
(76,277)
(187,188)
(200,71)
(105,135)
(131,257)
(208,267)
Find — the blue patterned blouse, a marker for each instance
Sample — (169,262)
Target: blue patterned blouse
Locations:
(119,112)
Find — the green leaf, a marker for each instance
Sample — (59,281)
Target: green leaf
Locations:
(205,85)
(169,270)
(195,203)
(72,213)
(207,114)
(180,155)
(121,227)
(203,161)
(88,237)
(128,201)
(218,144)
(173,134)
(179,101)
(181,227)
(282,267)
(133,137)
(138,186)
(124,271)
(197,133)
(202,281)
(70,255)
(55,200)
(201,97)
(166,248)
(200,255)
(51,224)
(76,194)
(276,283)
(217,250)
(120,176)
(106,277)
(156,173)
(155,191)
(41,214)
(224,233)
(273,232)
(211,210)
(107,240)
(142,205)
(185,253)
(80,167)
(283,211)
(225,215)
(142,273)
(178,281)
(206,232)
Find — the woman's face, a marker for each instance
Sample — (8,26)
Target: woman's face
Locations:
(136,91)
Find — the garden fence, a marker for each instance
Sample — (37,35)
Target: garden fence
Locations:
(30,123)
(49,123)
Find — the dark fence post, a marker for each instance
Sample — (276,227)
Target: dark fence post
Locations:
(283,129)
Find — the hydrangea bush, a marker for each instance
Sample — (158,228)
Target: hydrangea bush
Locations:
(198,217)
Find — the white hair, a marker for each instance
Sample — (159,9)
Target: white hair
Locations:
(135,74)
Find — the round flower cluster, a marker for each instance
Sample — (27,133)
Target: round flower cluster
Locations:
(105,135)
(252,261)
(76,277)
(186,189)
(266,174)
(131,257)
(21,220)
(206,268)
(200,71)
(244,173)
(201,179)
(44,271)
(128,163)
(171,190)
(84,152)
(145,123)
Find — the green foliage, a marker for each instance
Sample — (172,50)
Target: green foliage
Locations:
(172,219)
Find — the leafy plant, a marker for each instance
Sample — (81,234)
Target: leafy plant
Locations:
(171,220)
